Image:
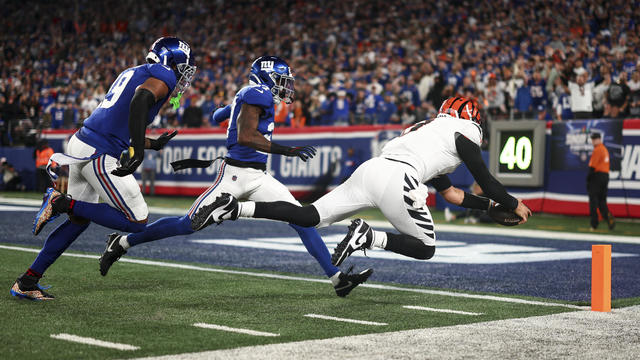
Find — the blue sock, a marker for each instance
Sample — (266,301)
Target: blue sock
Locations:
(316,247)
(105,215)
(162,228)
(57,242)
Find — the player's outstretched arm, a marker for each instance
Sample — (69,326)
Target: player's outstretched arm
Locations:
(470,154)
(145,97)
(248,135)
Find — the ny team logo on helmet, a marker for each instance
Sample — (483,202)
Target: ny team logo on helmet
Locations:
(461,108)
(176,54)
(275,73)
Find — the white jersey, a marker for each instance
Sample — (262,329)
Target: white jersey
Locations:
(430,146)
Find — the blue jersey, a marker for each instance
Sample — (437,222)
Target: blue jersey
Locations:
(257,95)
(107,128)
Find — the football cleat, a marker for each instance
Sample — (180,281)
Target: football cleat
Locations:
(27,287)
(349,281)
(224,207)
(53,204)
(611,222)
(359,237)
(111,253)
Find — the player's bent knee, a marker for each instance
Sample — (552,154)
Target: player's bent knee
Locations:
(427,252)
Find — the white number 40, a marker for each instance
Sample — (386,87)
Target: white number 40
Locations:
(516,153)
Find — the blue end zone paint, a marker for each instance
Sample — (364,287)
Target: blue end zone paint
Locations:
(558,279)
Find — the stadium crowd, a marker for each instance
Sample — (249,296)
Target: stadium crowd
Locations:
(355,62)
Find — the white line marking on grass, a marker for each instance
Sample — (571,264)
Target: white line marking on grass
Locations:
(94,342)
(324,317)
(236,330)
(325,281)
(411,307)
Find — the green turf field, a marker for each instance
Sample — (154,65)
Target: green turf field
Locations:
(539,221)
(154,308)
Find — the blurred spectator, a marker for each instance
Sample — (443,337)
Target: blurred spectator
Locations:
(494,99)
(538,89)
(600,104)
(41,154)
(149,165)
(386,109)
(562,101)
(340,109)
(11,180)
(581,95)
(634,96)
(349,164)
(618,96)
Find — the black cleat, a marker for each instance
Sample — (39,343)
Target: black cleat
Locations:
(359,237)
(611,222)
(224,207)
(111,253)
(349,281)
(26,287)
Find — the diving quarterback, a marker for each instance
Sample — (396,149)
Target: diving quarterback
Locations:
(243,171)
(118,124)
(393,182)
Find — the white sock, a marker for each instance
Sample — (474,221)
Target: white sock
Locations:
(124,243)
(247,208)
(379,239)
(335,279)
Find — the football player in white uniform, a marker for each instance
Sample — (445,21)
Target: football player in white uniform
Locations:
(394,183)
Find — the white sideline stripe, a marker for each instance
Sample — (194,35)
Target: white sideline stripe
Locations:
(94,342)
(325,281)
(467,229)
(411,307)
(363,322)
(236,330)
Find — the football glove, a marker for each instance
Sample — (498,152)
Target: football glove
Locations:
(162,140)
(129,162)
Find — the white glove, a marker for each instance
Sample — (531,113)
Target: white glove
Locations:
(419,196)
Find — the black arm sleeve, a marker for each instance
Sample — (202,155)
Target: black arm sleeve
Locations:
(141,103)
(441,182)
(471,201)
(470,155)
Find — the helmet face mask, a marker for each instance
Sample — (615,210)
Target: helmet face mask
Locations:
(275,73)
(176,54)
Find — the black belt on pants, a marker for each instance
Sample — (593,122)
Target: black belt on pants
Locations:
(246,164)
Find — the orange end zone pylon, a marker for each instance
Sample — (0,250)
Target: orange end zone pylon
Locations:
(601,278)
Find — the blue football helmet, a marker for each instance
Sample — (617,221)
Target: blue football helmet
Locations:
(176,54)
(275,73)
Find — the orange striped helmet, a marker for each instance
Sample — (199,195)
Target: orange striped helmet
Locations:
(461,108)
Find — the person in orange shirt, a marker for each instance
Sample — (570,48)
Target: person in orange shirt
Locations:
(598,182)
(42,154)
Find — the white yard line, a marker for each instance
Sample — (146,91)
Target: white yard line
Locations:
(94,342)
(353,321)
(412,307)
(297,278)
(569,335)
(235,330)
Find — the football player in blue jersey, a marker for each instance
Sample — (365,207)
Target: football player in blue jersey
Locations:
(243,171)
(116,129)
